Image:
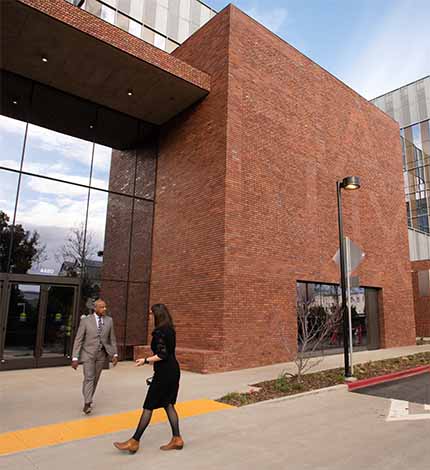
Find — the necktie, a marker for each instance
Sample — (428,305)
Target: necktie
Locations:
(99,324)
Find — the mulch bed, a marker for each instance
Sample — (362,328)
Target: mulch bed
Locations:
(286,385)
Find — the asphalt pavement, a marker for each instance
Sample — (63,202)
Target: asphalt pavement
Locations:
(414,389)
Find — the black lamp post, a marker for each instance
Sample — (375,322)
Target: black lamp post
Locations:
(349,183)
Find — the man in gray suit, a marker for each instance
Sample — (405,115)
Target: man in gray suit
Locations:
(94,342)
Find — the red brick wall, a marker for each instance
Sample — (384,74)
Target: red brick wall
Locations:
(422,304)
(246,198)
(188,243)
(293,129)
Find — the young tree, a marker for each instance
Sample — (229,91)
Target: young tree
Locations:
(77,249)
(75,254)
(315,326)
(26,247)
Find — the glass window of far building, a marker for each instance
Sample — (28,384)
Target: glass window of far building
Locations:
(410,107)
(163,23)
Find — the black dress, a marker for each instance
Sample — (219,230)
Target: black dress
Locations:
(165,383)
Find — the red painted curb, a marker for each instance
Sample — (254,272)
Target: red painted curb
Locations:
(388,377)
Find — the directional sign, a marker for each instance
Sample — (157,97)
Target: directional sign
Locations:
(356,254)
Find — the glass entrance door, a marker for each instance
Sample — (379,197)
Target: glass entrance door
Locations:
(22,322)
(57,321)
(36,322)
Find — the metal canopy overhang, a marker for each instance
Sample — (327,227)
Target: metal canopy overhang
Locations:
(88,67)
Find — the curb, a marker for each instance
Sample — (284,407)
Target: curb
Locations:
(297,395)
(388,377)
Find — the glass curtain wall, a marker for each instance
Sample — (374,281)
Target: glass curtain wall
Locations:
(164,23)
(410,107)
(73,208)
(416,168)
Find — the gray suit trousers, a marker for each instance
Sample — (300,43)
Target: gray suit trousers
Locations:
(92,371)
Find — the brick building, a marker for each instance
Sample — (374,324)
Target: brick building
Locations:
(219,196)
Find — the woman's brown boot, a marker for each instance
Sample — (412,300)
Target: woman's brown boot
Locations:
(131,445)
(176,443)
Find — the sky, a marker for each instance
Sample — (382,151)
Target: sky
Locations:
(374,46)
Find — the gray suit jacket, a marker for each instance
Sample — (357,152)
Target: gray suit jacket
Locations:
(86,342)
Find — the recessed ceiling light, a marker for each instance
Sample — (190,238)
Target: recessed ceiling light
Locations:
(44,59)
(130,92)
(15,101)
(91,126)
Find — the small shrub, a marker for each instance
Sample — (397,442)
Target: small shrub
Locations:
(235,398)
(281,385)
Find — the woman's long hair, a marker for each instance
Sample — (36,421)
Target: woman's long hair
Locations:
(162,316)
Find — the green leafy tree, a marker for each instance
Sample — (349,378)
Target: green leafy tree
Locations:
(26,247)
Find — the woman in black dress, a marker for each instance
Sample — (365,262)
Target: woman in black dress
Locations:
(163,390)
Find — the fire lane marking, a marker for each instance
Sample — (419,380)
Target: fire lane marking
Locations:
(399,411)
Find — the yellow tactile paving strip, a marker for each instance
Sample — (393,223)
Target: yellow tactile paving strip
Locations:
(91,426)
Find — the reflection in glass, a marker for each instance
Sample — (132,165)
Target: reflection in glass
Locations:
(95,240)
(11,142)
(101,167)
(55,212)
(26,249)
(358,314)
(49,153)
(8,188)
(58,321)
(22,321)
(323,301)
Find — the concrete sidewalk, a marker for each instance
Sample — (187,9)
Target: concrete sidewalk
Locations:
(329,431)
(37,397)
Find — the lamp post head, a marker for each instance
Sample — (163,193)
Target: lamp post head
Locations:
(350,183)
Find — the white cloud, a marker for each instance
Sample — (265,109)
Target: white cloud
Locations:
(52,213)
(43,186)
(68,147)
(394,52)
(10,164)
(272,18)
(49,142)
(11,126)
